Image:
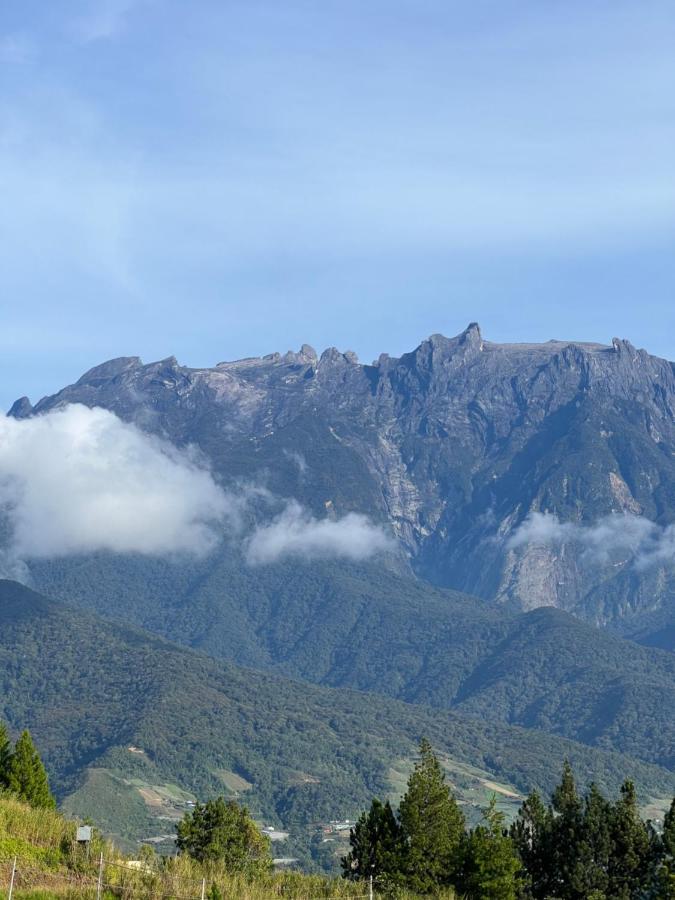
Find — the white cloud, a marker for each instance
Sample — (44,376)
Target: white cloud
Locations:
(78,480)
(297,533)
(632,537)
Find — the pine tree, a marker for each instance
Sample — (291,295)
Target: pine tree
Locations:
(566,835)
(666,873)
(594,847)
(432,825)
(5,756)
(632,857)
(531,834)
(221,830)
(27,777)
(491,862)
(376,847)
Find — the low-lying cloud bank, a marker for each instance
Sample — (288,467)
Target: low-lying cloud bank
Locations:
(297,533)
(633,537)
(78,480)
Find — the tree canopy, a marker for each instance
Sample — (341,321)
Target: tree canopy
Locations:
(22,772)
(222,831)
(573,848)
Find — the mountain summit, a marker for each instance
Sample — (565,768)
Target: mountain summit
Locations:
(510,471)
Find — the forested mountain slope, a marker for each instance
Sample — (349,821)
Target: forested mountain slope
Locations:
(124,719)
(362,627)
(542,669)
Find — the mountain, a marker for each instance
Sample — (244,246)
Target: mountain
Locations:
(133,728)
(453,447)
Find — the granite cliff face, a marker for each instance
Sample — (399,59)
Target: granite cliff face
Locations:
(455,446)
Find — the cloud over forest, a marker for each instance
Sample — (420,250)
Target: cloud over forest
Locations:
(295,532)
(79,480)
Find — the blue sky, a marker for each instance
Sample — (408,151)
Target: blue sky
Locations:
(224,179)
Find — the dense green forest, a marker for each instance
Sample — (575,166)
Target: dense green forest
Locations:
(364,627)
(116,712)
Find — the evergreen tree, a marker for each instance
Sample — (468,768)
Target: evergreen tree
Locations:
(221,830)
(491,862)
(666,873)
(589,873)
(531,834)
(566,835)
(432,826)
(5,756)
(633,852)
(27,777)
(376,847)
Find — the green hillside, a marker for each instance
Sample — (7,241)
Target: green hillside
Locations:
(132,727)
(369,628)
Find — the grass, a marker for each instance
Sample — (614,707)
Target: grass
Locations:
(51,866)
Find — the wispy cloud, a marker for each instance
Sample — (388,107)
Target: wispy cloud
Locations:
(630,537)
(297,533)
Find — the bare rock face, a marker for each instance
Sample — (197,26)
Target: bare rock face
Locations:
(454,445)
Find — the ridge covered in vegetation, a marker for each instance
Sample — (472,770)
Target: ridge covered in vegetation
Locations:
(131,726)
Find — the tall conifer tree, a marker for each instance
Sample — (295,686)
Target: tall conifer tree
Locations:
(666,875)
(432,825)
(532,835)
(566,836)
(632,856)
(376,847)
(27,776)
(490,859)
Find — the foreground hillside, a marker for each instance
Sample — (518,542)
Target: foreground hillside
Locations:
(132,729)
(452,447)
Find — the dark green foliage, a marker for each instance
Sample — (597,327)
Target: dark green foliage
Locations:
(567,806)
(5,756)
(490,861)
(595,846)
(573,849)
(582,848)
(532,836)
(632,858)
(666,874)
(432,825)
(196,717)
(376,847)
(421,849)
(364,627)
(26,775)
(222,831)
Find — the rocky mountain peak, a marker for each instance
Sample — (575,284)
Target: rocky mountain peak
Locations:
(453,445)
(21,408)
(111,369)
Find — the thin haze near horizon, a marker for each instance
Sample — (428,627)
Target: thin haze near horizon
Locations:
(224,179)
